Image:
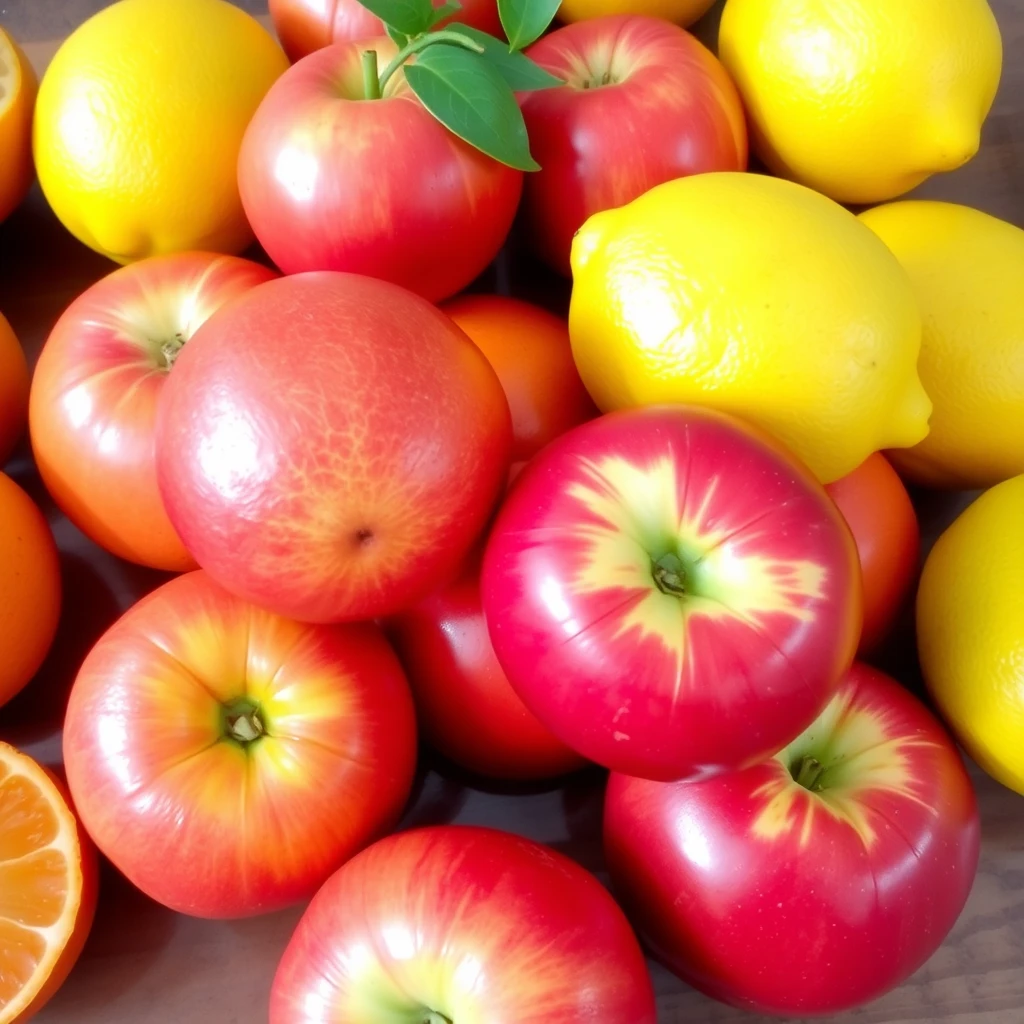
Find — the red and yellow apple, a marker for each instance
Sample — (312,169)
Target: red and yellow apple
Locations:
(227,760)
(465,705)
(330,446)
(462,925)
(97,387)
(812,882)
(331,180)
(307,25)
(644,102)
(671,592)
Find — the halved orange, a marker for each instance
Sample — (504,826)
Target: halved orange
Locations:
(18,87)
(47,885)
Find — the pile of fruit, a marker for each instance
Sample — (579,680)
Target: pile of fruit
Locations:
(663,536)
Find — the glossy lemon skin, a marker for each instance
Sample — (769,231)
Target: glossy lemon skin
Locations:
(861,99)
(970,630)
(682,12)
(139,121)
(967,269)
(758,297)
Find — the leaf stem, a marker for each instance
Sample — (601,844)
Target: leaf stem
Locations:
(372,88)
(421,43)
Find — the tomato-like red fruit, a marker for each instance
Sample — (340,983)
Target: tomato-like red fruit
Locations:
(462,924)
(671,592)
(464,703)
(333,181)
(97,387)
(330,446)
(530,351)
(881,515)
(644,103)
(811,897)
(227,760)
(307,25)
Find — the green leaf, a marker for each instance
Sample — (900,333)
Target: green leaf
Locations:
(525,20)
(446,9)
(521,73)
(407,16)
(470,98)
(400,39)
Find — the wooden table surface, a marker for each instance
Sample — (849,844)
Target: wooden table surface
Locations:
(146,965)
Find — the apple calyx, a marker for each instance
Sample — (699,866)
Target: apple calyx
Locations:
(808,771)
(243,722)
(169,349)
(669,572)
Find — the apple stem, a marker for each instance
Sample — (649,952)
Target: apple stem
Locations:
(371,83)
(421,43)
(808,772)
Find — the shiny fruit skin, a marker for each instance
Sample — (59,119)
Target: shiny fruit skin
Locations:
(730,290)
(14,383)
(465,924)
(139,120)
(625,672)
(466,707)
(68,836)
(255,826)
(330,446)
(860,100)
(879,512)
(331,181)
(17,103)
(970,630)
(966,269)
(530,352)
(670,110)
(97,387)
(775,899)
(307,25)
(682,12)
(30,588)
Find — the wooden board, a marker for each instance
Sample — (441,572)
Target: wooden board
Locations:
(145,965)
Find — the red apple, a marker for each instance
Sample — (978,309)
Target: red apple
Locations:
(644,102)
(464,703)
(307,25)
(227,760)
(97,387)
(671,592)
(462,925)
(330,446)
(331,180)
(817,880)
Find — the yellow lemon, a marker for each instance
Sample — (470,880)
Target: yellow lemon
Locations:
(863,99)
(139,120)
(17,96)
(758,297)
(682,12)
(970,630)
(968,271)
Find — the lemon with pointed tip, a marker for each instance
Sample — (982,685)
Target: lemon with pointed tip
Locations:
(863,99)
(139,122)
(970,630)
(758,297)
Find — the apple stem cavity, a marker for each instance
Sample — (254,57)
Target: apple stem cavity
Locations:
(669,573)
(371,81)
(242,721)
(808,771)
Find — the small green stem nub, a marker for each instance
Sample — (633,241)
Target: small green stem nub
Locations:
(371,83)
(421,43)
(670,575)
(808,772)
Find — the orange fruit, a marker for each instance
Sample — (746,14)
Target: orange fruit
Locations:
(529,350)
(47,885)
(30,590)
(13,389)
(18,86)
